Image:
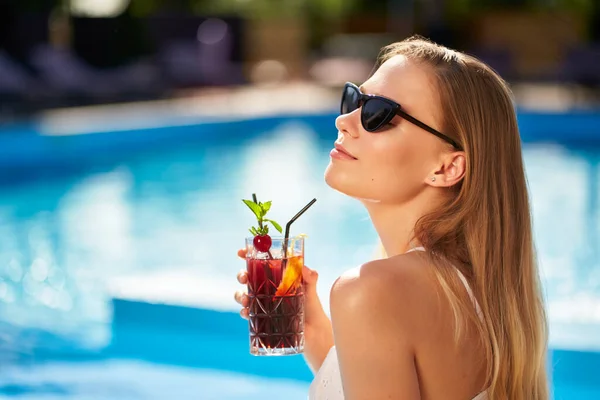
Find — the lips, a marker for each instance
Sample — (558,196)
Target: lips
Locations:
(343,150)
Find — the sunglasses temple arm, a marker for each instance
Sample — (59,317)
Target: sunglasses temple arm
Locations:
(427,128)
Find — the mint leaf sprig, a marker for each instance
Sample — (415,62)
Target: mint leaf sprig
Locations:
(260,209)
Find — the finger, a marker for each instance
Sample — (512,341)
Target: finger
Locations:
(242,253)
(242,277)
(309,276)
(242,298)
(244,313)
(238,296)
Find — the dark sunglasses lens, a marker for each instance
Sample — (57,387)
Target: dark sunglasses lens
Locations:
(375,114)
(350,100)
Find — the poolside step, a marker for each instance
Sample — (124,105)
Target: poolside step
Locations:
(179,286)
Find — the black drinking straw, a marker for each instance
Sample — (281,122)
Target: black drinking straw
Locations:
(255,200)
(287,227)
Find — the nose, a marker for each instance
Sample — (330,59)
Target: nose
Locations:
(348,123)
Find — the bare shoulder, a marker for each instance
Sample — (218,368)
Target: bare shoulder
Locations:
(400,277)
(405,267)
(375,312)
(400,291)
(392,316)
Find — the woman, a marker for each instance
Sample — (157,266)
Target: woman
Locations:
(430,145)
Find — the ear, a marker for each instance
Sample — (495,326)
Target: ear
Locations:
(450,171)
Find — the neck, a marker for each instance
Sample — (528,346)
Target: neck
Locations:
(395,224)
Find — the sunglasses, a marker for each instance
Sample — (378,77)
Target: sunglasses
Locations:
(378,111)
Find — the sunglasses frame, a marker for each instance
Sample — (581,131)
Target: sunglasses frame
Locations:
(396,110)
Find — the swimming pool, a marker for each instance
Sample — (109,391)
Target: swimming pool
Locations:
(165,203)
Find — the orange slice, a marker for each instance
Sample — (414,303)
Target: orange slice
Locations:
(292,276)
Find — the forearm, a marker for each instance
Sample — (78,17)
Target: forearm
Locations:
(318,340)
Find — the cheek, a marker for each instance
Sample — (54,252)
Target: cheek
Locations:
(390,169)
(388,172)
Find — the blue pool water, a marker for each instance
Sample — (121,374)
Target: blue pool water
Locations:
(136,380)
(81,219)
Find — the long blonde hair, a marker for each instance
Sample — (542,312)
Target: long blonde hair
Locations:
(485,227)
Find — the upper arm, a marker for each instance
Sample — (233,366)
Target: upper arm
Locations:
(373,338)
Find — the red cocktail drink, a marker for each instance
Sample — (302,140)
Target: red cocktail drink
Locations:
(276,295)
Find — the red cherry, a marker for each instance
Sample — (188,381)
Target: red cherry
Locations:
(262,243)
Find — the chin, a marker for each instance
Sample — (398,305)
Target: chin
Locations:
(357,187)
(344,182)
(332,177)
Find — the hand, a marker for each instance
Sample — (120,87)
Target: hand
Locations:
(318,334)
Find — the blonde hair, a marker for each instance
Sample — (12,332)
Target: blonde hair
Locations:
(485,227)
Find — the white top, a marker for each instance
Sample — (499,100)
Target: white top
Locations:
(327,384)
